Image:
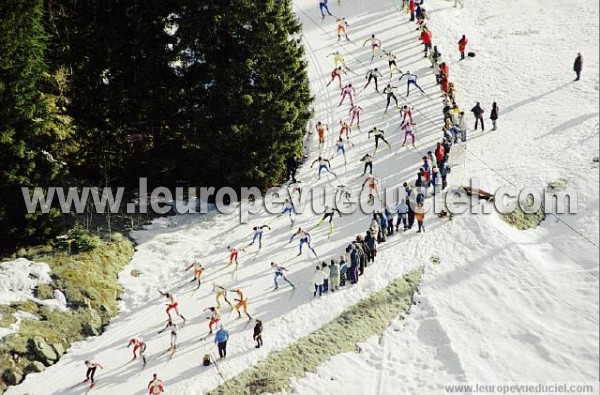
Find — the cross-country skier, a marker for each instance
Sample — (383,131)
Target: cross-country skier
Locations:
(215,317)
(390,92)
(368,159)
(220,293)
(279,272)
(462,46)
(258,234)
(328,215)
(138,344)
(233,256)
(372,182)
(378,133)
(304,239)
(355,112)
(288,208)
(405,112)
(324,164)
(324,8)
(373,75)
(321,131)
(411,79)
(198,269)
(342,24)
(337,73)
(345,129)
(242,303)
(155,386)
(408,129)
(391,62)
(174,329)
(349,91)
(339,147)
(338,59)
(172,305)
(91,371)
(375,45)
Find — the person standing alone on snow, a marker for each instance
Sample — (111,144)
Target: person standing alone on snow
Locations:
(478,113)
(221,339)
(578,66)
(462,46)
(257,335)
(494,115)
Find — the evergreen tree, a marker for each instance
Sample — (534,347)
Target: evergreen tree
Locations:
(121,82)
(246,90)
(35,133)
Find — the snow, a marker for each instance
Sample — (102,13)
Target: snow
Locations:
(501,306)
(19,278)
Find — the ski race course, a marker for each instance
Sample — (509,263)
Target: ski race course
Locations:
(497,305)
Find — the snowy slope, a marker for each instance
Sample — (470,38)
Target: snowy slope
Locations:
(505,306)
(502,305)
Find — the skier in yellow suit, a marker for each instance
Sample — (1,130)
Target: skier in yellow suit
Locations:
(242,303)
(221,293)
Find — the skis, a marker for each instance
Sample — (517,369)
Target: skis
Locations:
(330,232)
(92,386)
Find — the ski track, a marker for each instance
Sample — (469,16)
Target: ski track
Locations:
(502,305)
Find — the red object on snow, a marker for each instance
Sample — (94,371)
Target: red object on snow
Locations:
(462,44)
(426,37)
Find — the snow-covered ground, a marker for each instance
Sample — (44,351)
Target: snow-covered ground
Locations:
(18,279)
(502,306)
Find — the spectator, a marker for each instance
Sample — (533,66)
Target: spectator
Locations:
(334,275)
(318,281)
(258,328)
(221,339)
(578,66)
(494,115)
(371,244)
